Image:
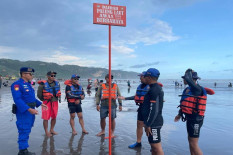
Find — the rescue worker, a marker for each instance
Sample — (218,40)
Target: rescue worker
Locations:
(102,97)
(142,89)
(74,94)
(192,108)
(49,92)
(152,111)
(25,100)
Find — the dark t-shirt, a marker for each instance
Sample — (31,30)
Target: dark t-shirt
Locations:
(152,106)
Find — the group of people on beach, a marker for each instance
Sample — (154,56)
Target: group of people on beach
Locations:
(149,98)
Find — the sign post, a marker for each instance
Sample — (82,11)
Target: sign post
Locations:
(109,15)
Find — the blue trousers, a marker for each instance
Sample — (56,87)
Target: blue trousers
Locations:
(24,124)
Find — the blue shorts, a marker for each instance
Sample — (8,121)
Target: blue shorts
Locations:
(104,112)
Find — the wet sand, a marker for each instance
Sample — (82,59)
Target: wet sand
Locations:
(216,136)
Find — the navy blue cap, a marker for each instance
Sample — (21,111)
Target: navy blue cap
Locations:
(26,69)
(142,74)
(152,72)
(51,72)
(75,76)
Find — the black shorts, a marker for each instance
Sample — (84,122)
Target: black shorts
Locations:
(74,108)
(140,117)
(194,125)
(155,137)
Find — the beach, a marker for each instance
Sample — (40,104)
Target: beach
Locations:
(216,132)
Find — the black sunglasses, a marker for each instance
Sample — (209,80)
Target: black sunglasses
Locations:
(52,75)
(76,79)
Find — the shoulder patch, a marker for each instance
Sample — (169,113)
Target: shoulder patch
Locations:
(16,87)
(152,101)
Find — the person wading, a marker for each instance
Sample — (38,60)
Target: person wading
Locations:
(74,95)
(49,92)
(25,100)
(192,109)
(152,111)
(103,97)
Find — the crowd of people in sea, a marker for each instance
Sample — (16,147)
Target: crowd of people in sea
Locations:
(5,82)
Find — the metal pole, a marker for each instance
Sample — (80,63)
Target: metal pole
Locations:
(110,85)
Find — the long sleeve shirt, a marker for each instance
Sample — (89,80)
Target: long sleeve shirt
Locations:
(23,94)
(152,106)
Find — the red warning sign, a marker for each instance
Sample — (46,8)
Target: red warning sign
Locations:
(109,14)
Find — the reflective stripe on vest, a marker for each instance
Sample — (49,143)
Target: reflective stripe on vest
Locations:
(75,91)
(48,90)
(140,93)
(105,92)
(190,104)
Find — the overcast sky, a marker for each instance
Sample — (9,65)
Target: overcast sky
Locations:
(170,35)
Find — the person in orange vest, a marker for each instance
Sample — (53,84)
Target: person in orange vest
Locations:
(192,109)
(49,92)
(102,97)
(74,94)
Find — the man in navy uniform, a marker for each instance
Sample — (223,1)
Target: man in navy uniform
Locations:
(24,98)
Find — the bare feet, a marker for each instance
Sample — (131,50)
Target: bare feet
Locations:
(53,132)
(48,134)
(74,133)
(84,131)
(101,133)
(113,136)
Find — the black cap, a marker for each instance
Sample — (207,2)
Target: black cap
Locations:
(194,76)
(26,69)
(107,76)
(51,72)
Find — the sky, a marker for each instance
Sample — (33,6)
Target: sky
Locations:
(170,35)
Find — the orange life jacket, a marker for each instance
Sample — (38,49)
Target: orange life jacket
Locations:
(190,104)
(105,91)
(48,90)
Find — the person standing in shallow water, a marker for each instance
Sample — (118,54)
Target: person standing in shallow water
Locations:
(49,92)
(142,89)
(74,95)
(193,96)
(25,100)
(103,97)
(0,81)
(152,111)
